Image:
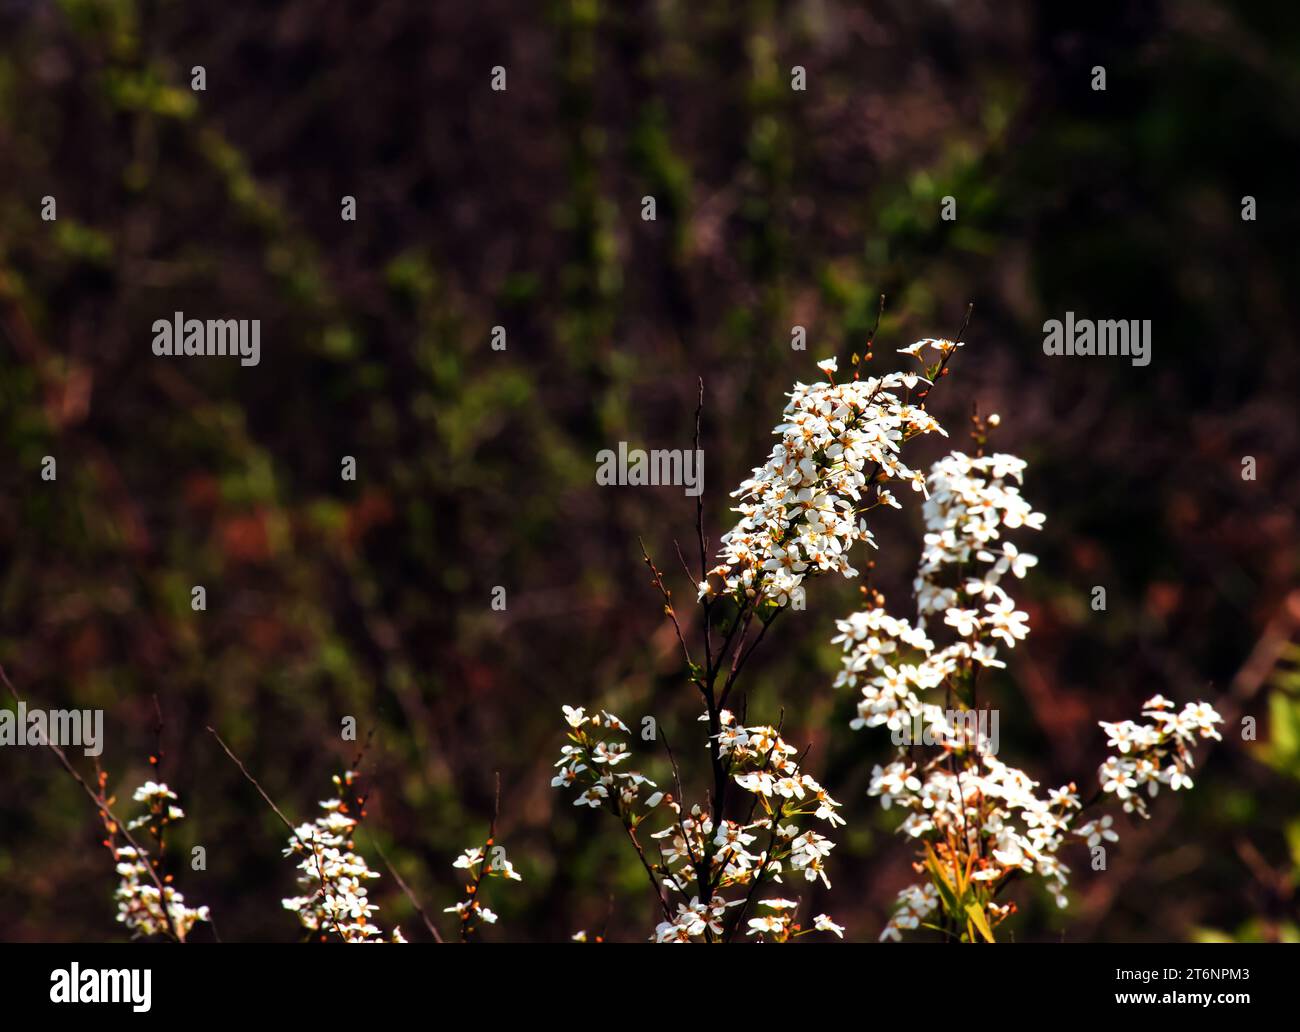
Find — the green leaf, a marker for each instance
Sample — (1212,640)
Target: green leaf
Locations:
(941,882)
(976,913)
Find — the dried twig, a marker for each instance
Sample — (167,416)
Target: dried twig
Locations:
(315,852)
(401,884)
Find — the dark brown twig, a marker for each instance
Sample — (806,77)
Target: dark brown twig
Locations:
(466,928)
(315,852)
(406,889)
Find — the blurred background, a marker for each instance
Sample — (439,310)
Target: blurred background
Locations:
(475,468)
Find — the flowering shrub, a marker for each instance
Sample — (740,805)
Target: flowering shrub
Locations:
(144,904)
(978,823)
(470,911)
(334,876)
(706,859)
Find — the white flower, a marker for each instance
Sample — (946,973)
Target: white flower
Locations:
(963,621)
(567,776)
(1005,621)
(986,655)
(469,858)
(152,790)
(759,925)
(1094,832)
(1011,559)
(575,717)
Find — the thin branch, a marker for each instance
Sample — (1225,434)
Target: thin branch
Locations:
(156,758)
(293,832)
(924,396)
(682,559)
(866,348)
(743,658)
(433,929)
(254,782)
(649,870)
(668,606)
(465,928)
(703,543)
(700,873)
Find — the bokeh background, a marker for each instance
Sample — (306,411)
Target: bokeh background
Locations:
(476,468)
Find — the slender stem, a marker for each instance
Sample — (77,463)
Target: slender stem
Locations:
(649,870)
(406,889)
(293,832)
(465,926)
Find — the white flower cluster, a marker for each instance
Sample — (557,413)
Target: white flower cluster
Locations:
(334,876)
(914,906)
(780,926)
(697,857)
(801,512)
(140,906)
(982,810)
(159,799)
(873,642)
(591,764)
(693,919)
(761,762)
(1155,754)
(470,910)
(970,501)
(980,820)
